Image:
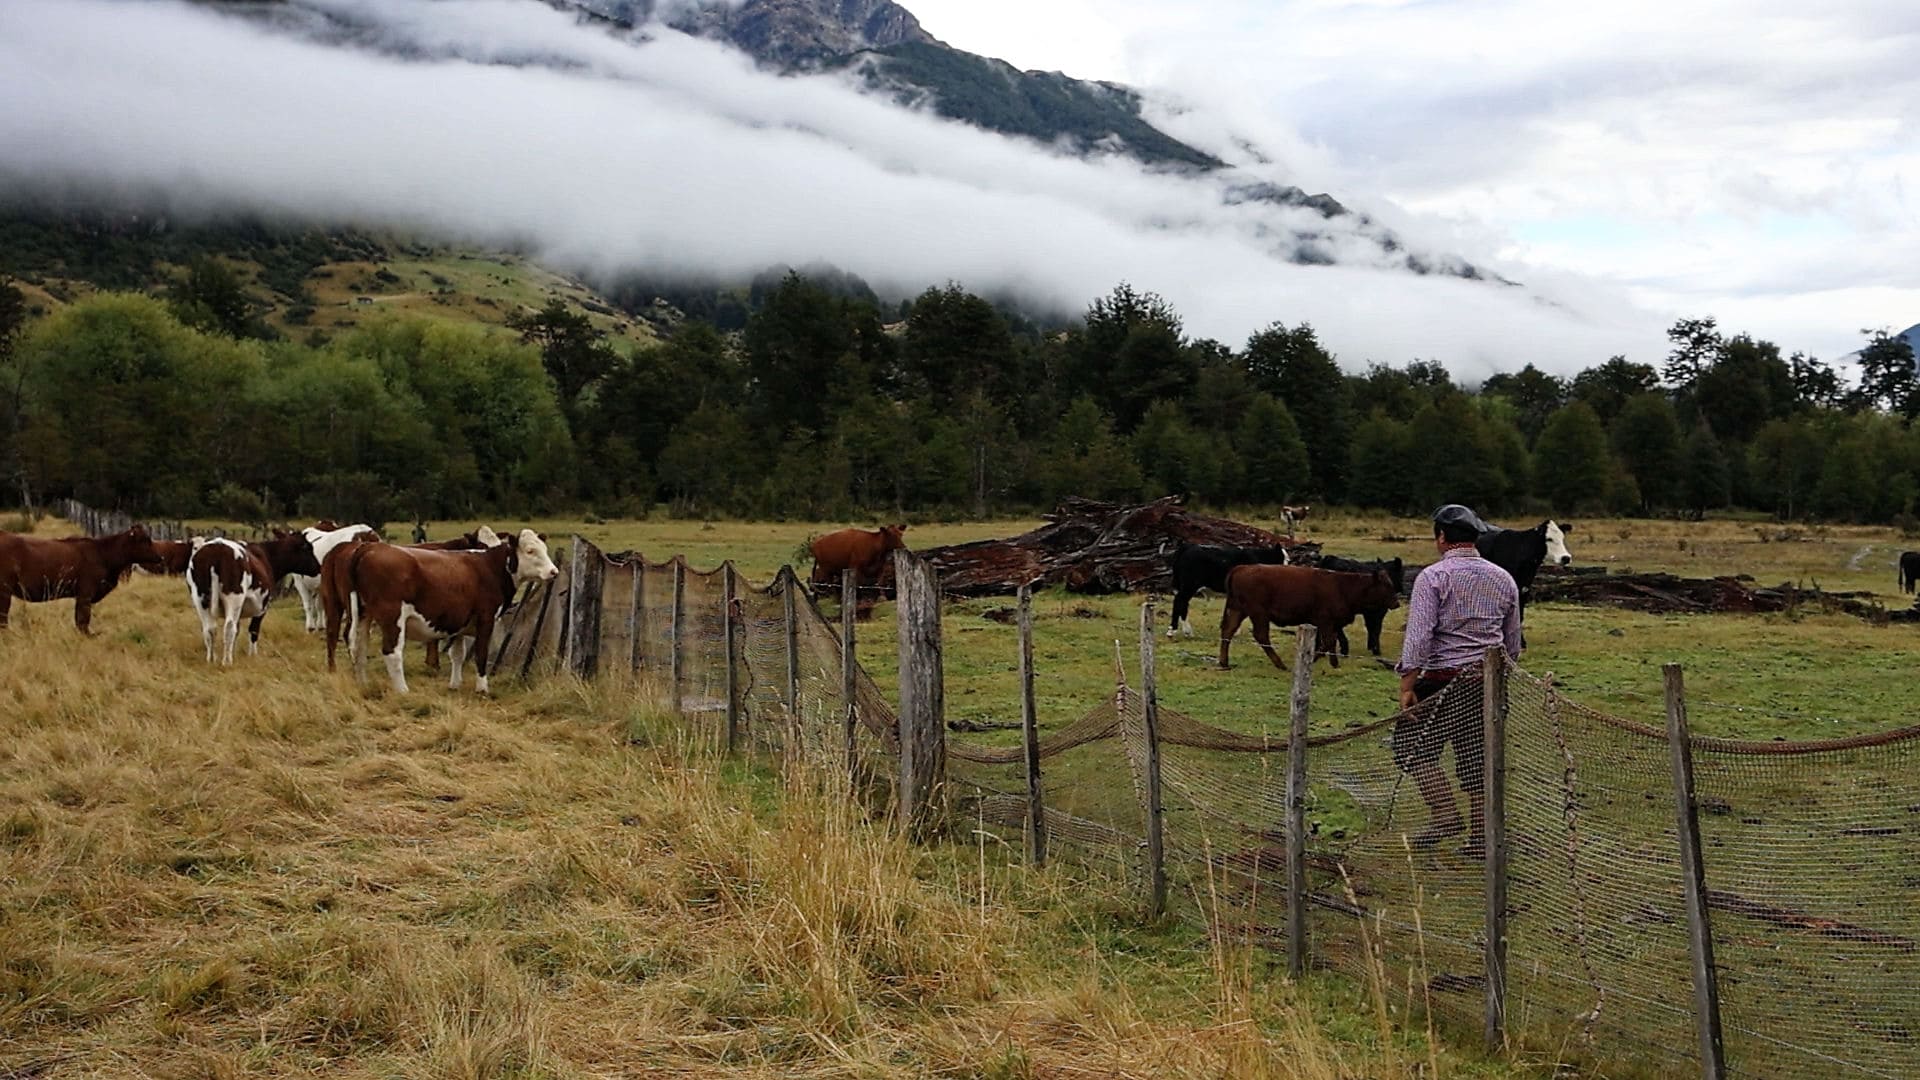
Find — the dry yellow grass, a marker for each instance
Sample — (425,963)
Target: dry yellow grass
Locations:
(264,871)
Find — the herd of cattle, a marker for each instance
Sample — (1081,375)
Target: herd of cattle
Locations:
(346,577)
(1261,585)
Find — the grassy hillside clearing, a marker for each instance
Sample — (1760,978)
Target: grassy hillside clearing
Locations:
(263,871)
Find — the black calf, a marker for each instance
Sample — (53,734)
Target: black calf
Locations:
(1203,566)
(1375,617)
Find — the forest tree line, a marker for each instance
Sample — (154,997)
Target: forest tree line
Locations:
(178,405)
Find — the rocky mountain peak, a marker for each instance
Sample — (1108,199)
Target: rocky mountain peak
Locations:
(783,33)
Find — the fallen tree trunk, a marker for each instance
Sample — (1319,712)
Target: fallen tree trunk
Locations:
(1670,594)
(1092,547)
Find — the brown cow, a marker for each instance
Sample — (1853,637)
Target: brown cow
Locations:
(428,594)
(863,552)
(170,558)
(228,581)
(1292,595)
(83,568)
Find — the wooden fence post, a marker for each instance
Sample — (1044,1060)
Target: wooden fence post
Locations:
(585,570)
(1156,838)
(675,661)
(1493,684)
(923,745)
(849,679)
(1297,802)
(1706,984)
(732,654)
(637,616)
(790,606)
(1029,727)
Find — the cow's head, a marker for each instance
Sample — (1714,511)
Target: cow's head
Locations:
(137,547)
(1556,536)
(890,537)
(1382,591)
(530,561)
(326,525)
(296,554)
(1395,570)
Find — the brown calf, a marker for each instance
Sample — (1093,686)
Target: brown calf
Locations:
(428,594)
(170,558)
(863,552)
(228,581)
(1292,595)
(82,568)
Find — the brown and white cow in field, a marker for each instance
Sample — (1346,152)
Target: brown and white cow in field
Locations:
(411,592)
(1291,595)
(229,581)
(863,552)
(82,568)
(324,536)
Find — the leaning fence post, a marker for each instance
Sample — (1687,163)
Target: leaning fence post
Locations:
(1029,727)
(732,655)
(1156,838)
(1693,873)
(637,615)
(790,609)
(1493,685)
(678,631)
(849,667)
(1303,653)
(923,747)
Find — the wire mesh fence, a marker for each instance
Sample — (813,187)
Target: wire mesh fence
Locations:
(1811,850)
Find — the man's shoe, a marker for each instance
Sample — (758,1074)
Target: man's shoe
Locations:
(1434,834)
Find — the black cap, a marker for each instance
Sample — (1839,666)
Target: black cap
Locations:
(1458,521)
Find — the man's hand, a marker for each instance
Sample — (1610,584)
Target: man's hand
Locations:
(1407,698)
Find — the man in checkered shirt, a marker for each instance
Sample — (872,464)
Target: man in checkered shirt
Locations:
(1461,606)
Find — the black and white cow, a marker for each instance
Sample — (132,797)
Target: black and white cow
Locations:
(1521,552)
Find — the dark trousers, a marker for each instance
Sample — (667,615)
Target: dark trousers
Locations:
(1449,711)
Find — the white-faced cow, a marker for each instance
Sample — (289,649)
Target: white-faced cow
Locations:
(427,594)
(228,581)
(1521,552)
(324,536)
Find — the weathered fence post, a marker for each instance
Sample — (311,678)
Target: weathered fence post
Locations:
(1156,838)
(732,653)
(923,745)
(1029,727)
(675,662)
(790,605)
(637,616)
(1297,801)
(1693,873)
(586,567)
(1493,686)
(849,679)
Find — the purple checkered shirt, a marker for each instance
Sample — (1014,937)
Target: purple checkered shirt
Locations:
(1462,606)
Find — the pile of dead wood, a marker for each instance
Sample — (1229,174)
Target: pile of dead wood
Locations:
(1669,594)
(1092,547)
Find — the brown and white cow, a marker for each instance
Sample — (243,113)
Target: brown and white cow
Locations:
(1291,595)
(411,592)
(863,552)
(82,568)
(228,581)
(324,535)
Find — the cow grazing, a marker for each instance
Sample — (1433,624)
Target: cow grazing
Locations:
(1292,516)
(1521,552)
(228,581)
(1374,617)
(1909,570)
(170,558)
(1205,566)
(324,535)
(82,568)
(413,592)
(1294,595)
(863,552)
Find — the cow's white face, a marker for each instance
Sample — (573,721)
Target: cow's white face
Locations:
(1557,552)
(535,563)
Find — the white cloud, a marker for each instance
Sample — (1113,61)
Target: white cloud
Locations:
(675,155)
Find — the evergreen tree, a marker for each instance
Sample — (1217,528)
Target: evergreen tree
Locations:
(1647,437)
(1571,460)
(1706,482)
(1382,469)
(1291,365)
(1272,454)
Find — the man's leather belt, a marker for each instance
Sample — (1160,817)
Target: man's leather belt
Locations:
(1442,674)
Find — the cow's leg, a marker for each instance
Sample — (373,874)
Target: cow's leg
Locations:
(1326,634)
(1375,620)
(1229,626)
(1340,641)
(83,615)
(393,648)
(310,604)
(1260,628)
(433,655)
(206,618)
(456,658)
(253,631)
(232,604)
(1181,598)
(359,634)
(6,607)
(481,645)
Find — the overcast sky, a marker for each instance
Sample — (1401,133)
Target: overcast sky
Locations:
(1621,178)
(1758,160)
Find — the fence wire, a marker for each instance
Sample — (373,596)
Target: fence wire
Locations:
(1811,850)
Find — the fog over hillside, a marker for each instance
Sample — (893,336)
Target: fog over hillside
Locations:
(509,122)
